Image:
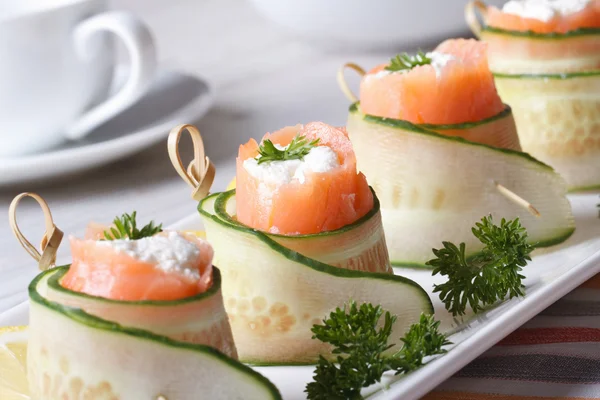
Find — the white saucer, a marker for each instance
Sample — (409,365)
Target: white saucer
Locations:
(173,98)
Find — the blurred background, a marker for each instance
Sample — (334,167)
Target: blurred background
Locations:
(268,63)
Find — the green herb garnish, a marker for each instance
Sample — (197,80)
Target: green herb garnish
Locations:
(359,345)
(490,275)
(422,339)
(125,226)
(297,149)
(405,61)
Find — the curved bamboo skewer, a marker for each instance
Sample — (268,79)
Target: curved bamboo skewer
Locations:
(52,236)
(471,15)
(518,200)
(200,173)
(341,79)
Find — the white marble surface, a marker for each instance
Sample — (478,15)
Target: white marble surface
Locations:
(264,79)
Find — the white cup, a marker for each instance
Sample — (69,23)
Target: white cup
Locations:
(56,69)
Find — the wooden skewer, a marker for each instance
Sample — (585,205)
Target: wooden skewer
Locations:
(518,200)
(200,173)
(341,79)
(472,18)
(51,239)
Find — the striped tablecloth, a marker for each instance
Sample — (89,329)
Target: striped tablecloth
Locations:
(556,355)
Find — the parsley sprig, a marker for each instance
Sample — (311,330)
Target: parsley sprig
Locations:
(404,61)
(297,149)
(489,276)
(422,339)
(125,226)
(359,342)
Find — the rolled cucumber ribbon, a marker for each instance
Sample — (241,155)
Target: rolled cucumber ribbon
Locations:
(83,346)
(433,187)
(558,118)
(528,52)
(277,287)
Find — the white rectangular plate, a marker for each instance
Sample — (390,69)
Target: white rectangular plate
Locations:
(552,274)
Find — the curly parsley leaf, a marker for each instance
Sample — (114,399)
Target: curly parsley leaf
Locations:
(423,339)
(296,150)
(491,275)
(404,62)
(359,340)
(125,227)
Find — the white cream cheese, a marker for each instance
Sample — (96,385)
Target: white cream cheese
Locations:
(171,252)
(544,10)
(382,73)
(277,173)
(439,61)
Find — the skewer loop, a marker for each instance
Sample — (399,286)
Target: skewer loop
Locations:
(52,236)
(341,79)
(200,173)
(471,15)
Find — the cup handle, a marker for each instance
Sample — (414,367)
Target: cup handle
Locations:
(142,55)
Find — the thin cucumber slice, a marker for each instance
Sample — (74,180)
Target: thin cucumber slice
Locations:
(550,36)
(434,188)
(558,118)
(274,295)
(359,246)
(200,319)
(516,52)
(72,352)
(497,131)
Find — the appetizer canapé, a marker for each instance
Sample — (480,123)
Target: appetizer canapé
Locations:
(440,150)
(545,16)
(167,266)
(300,182)
(138,316)
(450,90)
(314,189)
(540,36)
(157,267)
(300,236)
(545,56)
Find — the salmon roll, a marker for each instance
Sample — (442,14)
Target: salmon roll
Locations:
(539,36)
(545,16)
(450,90)
(545,56)
(299,235)
(161,281)
(301,182)
(450,85)
(138,314)
(323,182)
(439,146)
(167,266)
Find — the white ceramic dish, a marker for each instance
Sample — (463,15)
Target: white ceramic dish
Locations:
(374,24)
(552,274)
(58,66)
(173,98)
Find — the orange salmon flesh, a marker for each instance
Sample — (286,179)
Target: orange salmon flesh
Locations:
(105,272)
(464,90)
(586,18)
(325,201)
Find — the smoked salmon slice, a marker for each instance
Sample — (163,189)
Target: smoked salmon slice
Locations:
(459,91)
(321,201)
(100,269)
(589,17)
